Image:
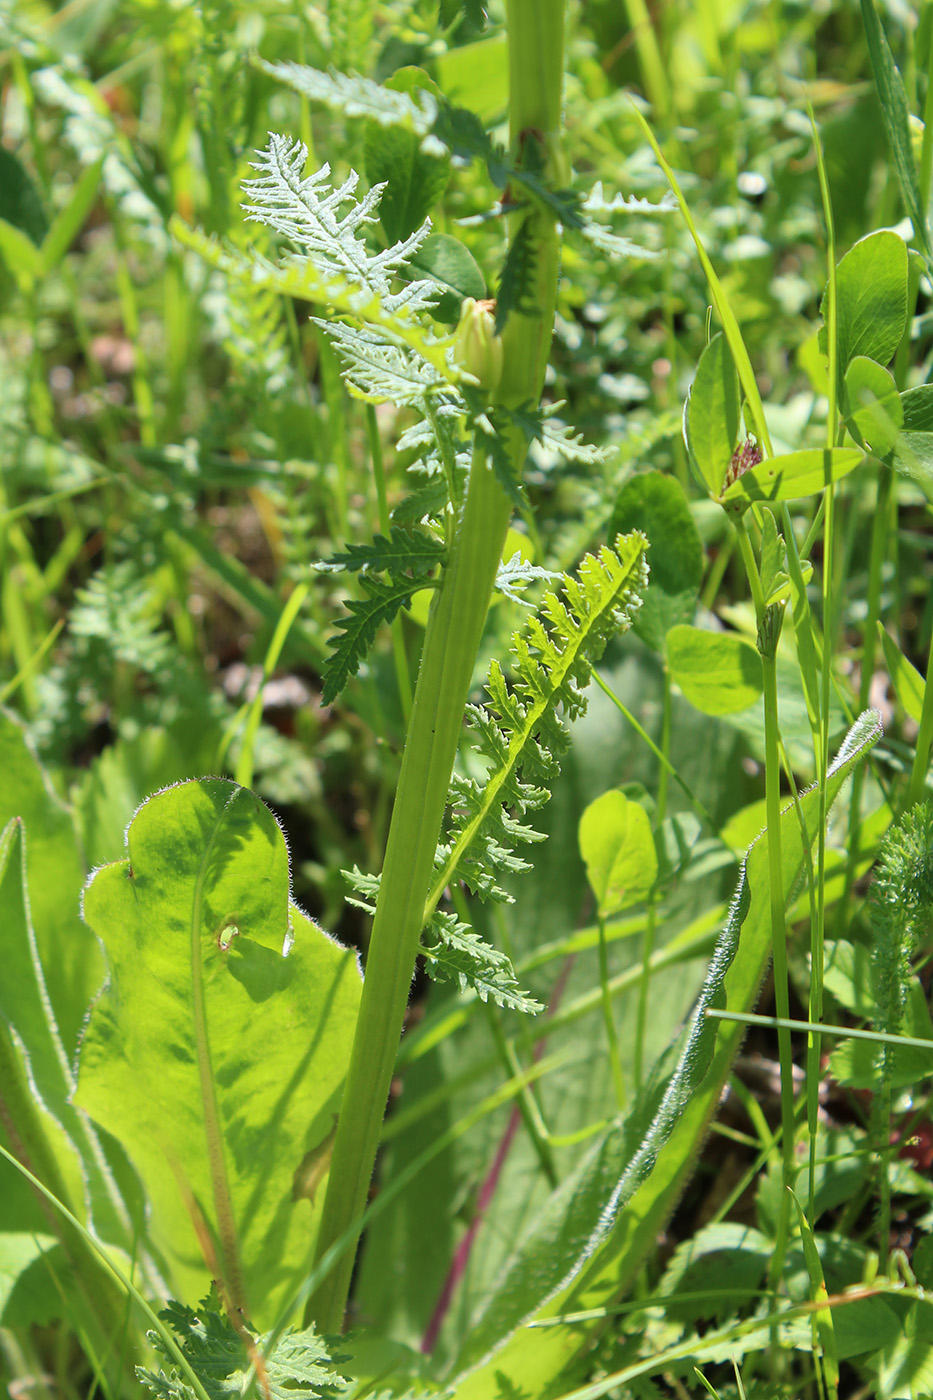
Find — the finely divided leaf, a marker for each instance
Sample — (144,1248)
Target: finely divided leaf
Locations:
(295,1366)
(403,550)
(357,632)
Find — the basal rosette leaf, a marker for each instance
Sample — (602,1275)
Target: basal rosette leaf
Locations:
(217,1053)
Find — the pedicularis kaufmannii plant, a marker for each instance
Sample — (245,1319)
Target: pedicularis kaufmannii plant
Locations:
(204,1124)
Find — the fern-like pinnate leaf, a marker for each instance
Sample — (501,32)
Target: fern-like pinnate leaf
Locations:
(306,210)
(521,736)
(516,574)
(403,550)
(296,1366)
(458,954)
(357,632)
(553,659)
(380,372)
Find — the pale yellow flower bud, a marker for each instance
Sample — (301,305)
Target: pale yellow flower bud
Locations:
(477,348)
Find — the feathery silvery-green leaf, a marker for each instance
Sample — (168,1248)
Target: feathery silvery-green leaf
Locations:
(516,574)
(379,372)
(357,97)
(305,209)
(403,550)
(299,278)
(596,203)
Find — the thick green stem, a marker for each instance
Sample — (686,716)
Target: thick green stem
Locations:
(451,642)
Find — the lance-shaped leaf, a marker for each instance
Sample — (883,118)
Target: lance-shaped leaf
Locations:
(72,964)
(217,1053)
(588,1244)
(52,1136)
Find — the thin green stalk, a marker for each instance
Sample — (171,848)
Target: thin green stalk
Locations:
(647,943)
(400,655)
(615,1059)
(455,625)
(768,631)
(649,57)
(818,922)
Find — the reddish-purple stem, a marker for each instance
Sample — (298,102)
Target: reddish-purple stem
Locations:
(461,1257)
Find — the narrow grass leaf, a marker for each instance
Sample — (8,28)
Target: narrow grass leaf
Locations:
(895,114)
(909,685)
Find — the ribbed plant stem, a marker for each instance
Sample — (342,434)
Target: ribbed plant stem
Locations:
(451,642)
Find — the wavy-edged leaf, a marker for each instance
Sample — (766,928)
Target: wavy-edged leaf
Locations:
(206,1054)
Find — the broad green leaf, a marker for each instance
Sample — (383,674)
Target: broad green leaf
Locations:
(718,672)
(655,504)
(871,300)
(913,453)
(477,75)
(414,180)
(909,685)
(217,1053)
(895,114)
(712,414)
(618,851)
(875,412)
(790,477)
(718,1258)
(20,204)
(20,254)
(17,1252)
(70,954)
(589,1242)
(450,264)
